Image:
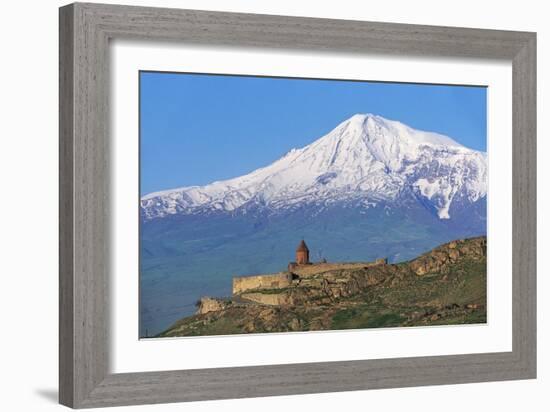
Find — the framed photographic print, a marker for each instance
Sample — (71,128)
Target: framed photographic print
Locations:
(242,194)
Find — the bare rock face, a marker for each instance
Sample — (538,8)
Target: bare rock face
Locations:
(449,253)
(350,282)
(275,299)
(207,304)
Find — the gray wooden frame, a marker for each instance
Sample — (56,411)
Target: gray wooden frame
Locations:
(85,31)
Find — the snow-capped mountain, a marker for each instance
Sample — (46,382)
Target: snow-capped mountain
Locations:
(366,159)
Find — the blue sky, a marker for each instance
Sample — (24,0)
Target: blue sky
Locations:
(196,129)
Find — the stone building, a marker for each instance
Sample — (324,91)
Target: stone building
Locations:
(302,257)
(302,254)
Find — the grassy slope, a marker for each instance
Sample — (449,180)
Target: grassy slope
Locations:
(416,303)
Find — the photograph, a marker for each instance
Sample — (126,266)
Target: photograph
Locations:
(272,204)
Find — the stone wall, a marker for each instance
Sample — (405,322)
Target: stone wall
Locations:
(281,280)
(317,268)
(276,281)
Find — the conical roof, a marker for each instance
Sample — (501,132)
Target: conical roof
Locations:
(302,247)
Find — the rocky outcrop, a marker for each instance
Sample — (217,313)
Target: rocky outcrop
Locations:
(275,299)
(207,304)
(445,255)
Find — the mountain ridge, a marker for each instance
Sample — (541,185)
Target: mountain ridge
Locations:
(365,157)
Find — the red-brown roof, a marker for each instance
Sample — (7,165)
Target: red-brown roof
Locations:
(302,247)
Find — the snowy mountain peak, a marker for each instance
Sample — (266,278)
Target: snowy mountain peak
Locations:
(366,157)
(371,125)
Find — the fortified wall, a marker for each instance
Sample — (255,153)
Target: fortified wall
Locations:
(282,280)
(276,281)
(317,268)
(298,270)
